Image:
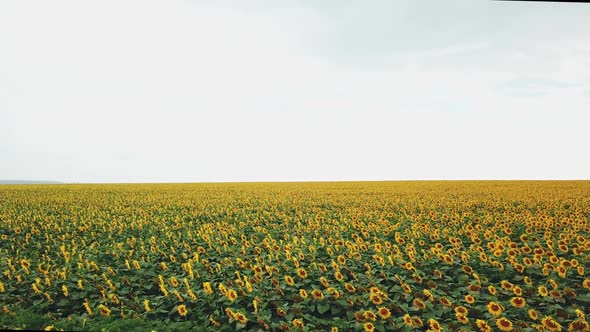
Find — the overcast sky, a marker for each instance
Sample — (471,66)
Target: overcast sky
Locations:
(185,91)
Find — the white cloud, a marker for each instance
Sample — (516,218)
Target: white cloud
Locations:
(179,91)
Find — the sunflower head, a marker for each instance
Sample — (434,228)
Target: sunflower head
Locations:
(383,312)
(407,320)
(369,327)
(504,324)
(494,308)
(289,280)
(182,310)
(579,325)
(317,294)
(550,324)
(483,326)
(232,295)
(518,302)
(533,314)
(369,315)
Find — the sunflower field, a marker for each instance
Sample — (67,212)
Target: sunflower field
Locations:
(339,256)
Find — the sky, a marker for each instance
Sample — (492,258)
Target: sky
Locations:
(293,90)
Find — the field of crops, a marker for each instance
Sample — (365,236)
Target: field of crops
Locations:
(452,256)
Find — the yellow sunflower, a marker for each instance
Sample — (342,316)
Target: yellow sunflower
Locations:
(407,320)
(494,309)
(369,315)
(504,324)
(383,312)
(483,326)
(550,324)
(289,280)
(317,294)
(303,293)
(369,327)
(518,302)
(182,310)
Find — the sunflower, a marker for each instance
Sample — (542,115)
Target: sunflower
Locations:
(114,298)
(298,323)
(207,287)
(317,294)
(438,274)
(434,325)
(507,285)
(467,269)
(383,312)
(543,291)
(301,273)
(406,288)
(533,314)
(586,283)
(461,310)
(369,315)
(333,291)
(469,299)
(517,291)
(182,311)
(407,320)
(492,289)
(550,324)
(527,280)
(104,311)
(483,326)
(25,264)
(349,288)
(359,316)
(338,276)
(462,319)
(555,294)
(579,325)
(232,295)
(324,281)
(494,309)
(369,327)
(240,317)
(289,280)
(417,321)
(419,304)
(518,302)
(504,324)
(444,301)
(87,307)
(474,288)
(376,299)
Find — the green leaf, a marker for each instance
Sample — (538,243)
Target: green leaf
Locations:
(583,298)
(322,307)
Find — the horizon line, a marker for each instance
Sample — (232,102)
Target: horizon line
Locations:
(34,182)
